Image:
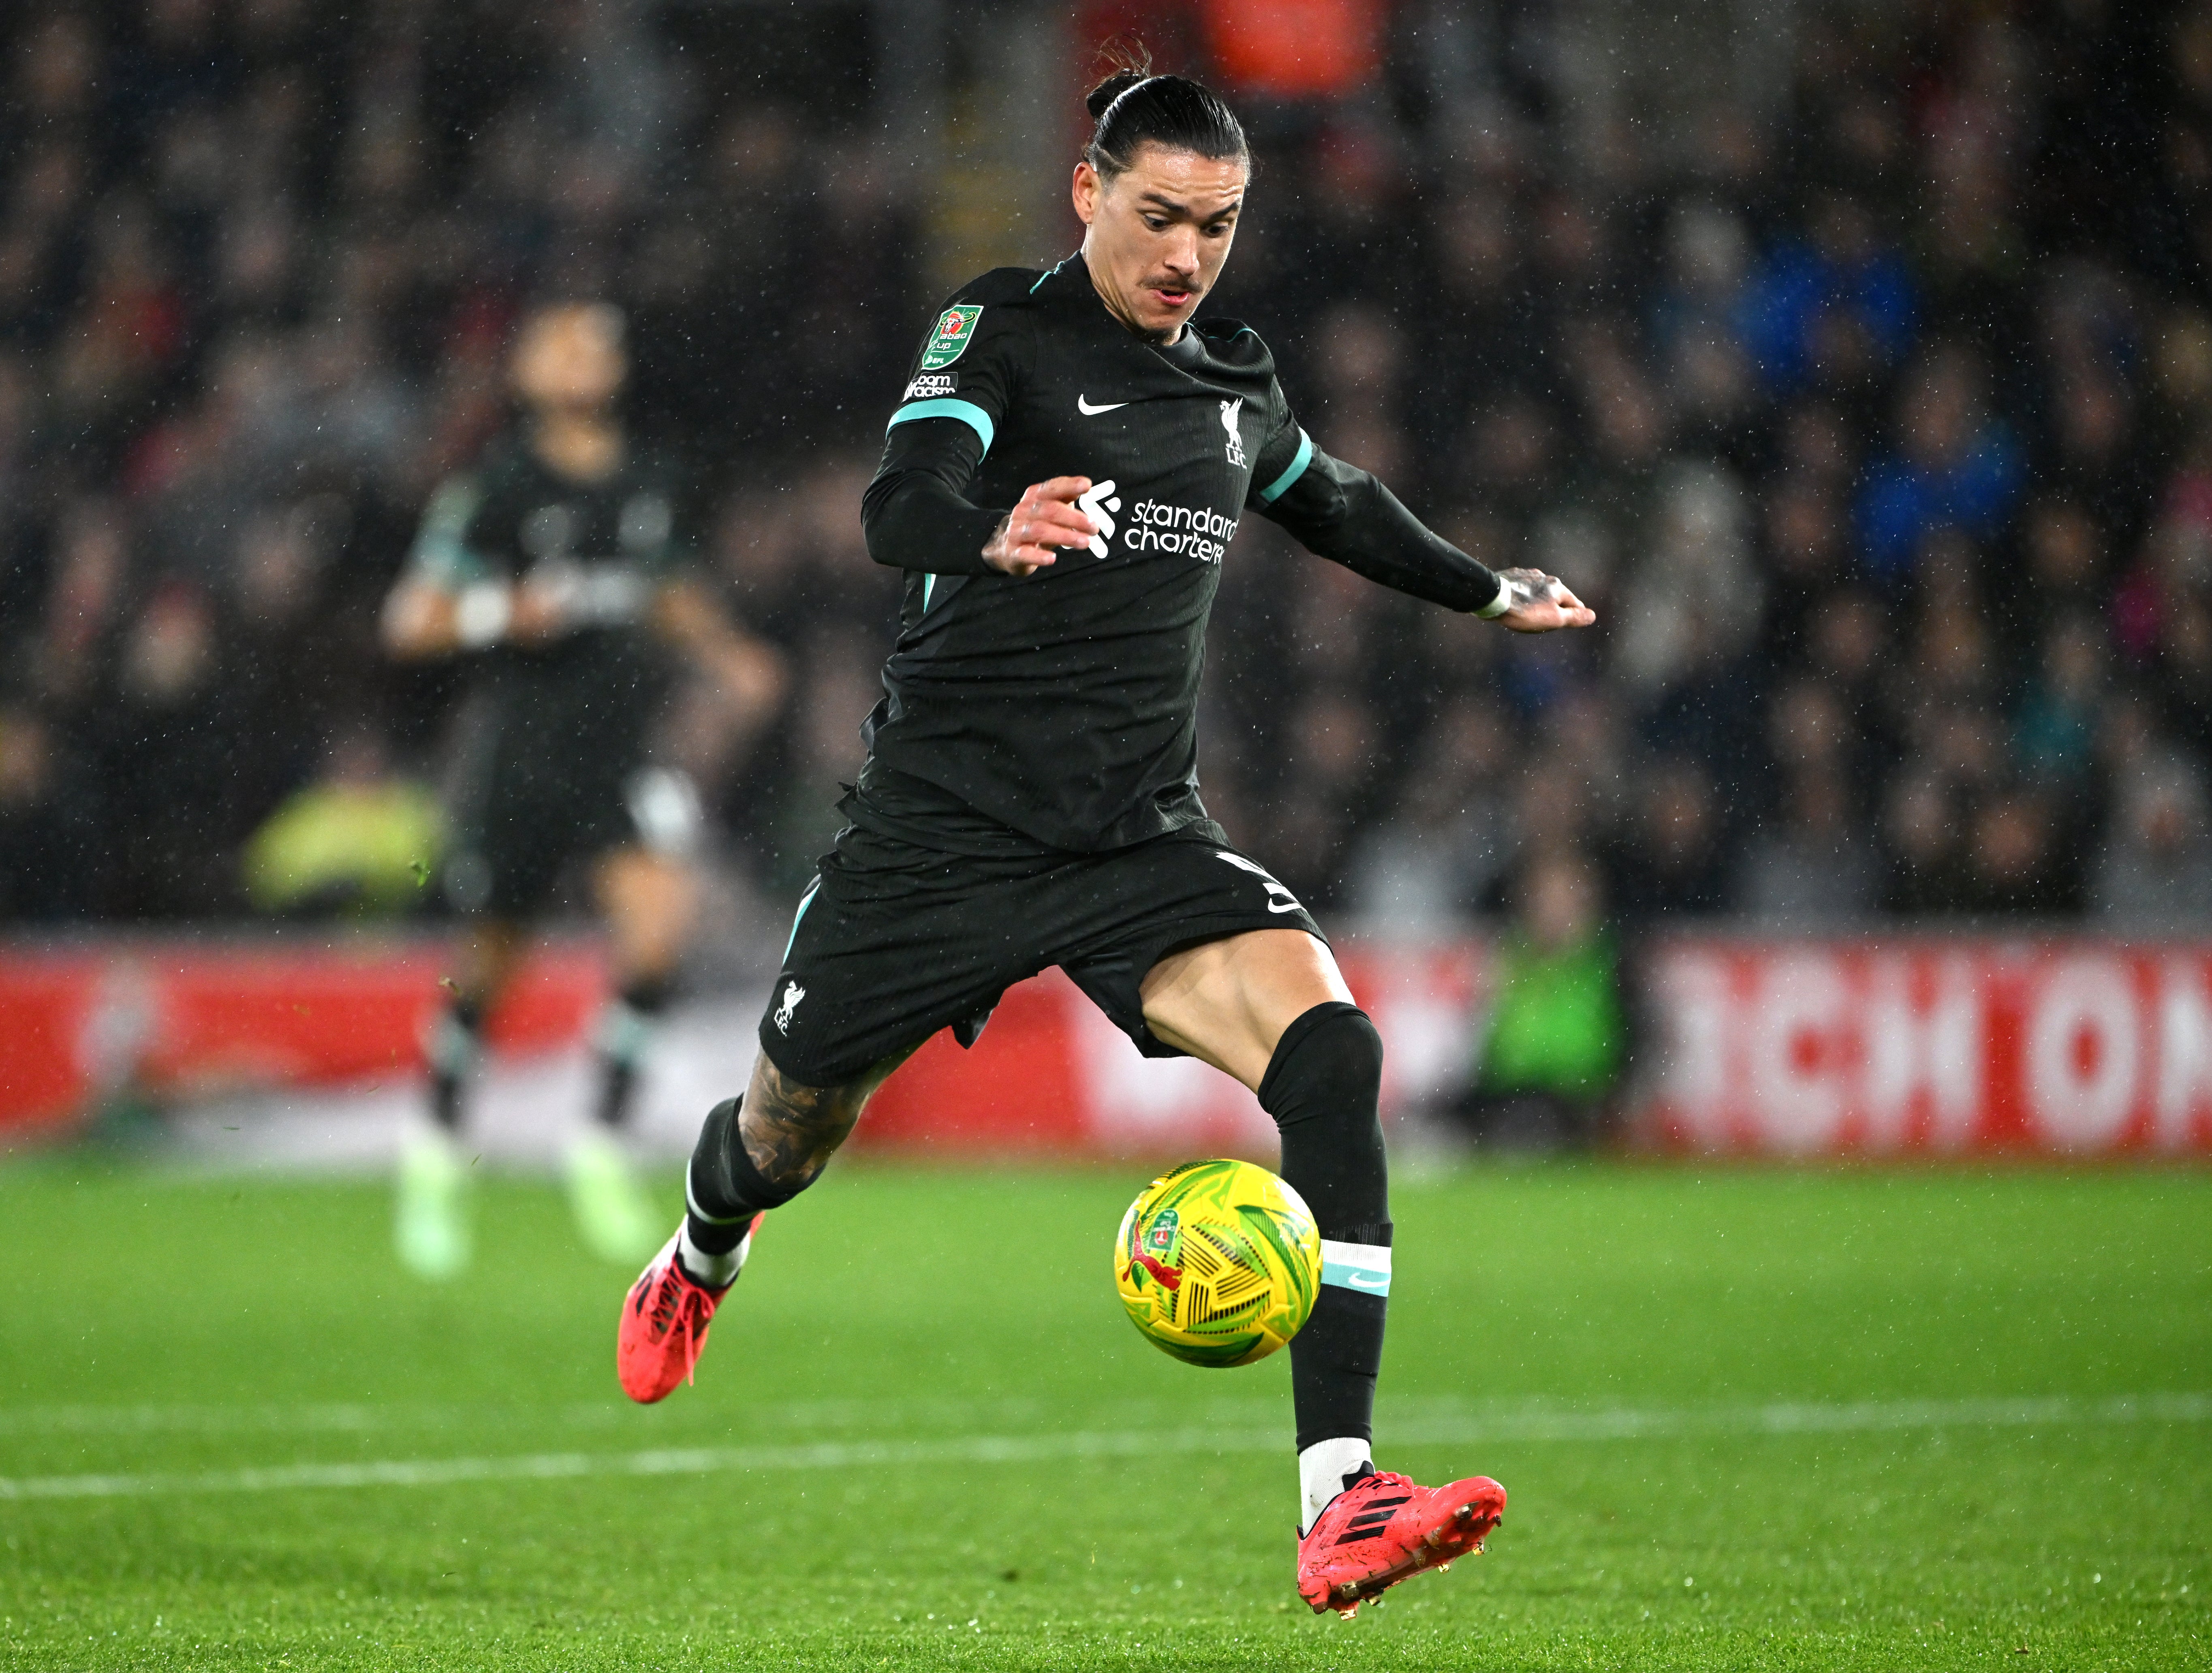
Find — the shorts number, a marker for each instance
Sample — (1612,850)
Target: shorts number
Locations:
(1280,899)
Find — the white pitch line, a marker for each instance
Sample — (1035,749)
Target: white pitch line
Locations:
(1790,1417)
(365,1418)
(1527,1426)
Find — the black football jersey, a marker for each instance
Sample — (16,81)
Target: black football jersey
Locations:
(1063,706)
(610,545)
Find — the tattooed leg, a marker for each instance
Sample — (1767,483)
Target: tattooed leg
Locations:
(758,1154)
(791,1131)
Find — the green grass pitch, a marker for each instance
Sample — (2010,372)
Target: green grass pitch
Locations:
(1748,1420)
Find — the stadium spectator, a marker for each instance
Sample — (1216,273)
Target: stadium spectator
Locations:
(1954,467)
(2154,874)
(1553,1042)
(1808,867)
(358,840)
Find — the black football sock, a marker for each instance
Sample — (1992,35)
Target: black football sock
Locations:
(626,1031)
(722,1192)
(1322,1087)
(456,1043)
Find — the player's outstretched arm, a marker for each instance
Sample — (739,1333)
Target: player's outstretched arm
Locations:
(1342,513)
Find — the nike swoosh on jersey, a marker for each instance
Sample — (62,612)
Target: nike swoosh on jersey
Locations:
(1091,411)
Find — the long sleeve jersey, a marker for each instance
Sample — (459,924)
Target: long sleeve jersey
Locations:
(1062,708)
(614,543)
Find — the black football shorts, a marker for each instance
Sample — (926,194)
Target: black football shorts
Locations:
(893,940)
(537,822)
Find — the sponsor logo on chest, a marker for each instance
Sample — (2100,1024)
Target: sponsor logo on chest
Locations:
(1155,526)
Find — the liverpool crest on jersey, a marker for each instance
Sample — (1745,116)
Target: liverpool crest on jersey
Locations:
(950,340)
(1229,412)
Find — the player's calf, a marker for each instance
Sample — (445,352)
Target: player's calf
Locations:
(757,1152)
(761,1151)
(1322,1088)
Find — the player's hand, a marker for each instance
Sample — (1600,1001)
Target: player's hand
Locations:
(541,613)
(1542,602)
(1046,520)
(420,621)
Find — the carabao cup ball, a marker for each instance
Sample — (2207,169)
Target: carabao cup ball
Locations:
(1217,1263)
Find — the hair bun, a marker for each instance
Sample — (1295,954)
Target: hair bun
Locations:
(1112,89)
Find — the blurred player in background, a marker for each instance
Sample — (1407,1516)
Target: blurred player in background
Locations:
(557,567)
(1062,477)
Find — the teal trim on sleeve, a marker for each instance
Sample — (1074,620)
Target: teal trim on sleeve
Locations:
(440,556)
(966,411)
(799,917)
(1275,489)
(928,586)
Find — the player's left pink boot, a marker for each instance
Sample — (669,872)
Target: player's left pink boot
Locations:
(1384,1528)
(664,1324)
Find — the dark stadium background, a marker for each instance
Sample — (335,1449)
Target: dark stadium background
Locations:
(1854,361)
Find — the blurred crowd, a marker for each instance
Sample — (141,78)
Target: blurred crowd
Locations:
(259,263)
(1880,436)
(1878,429)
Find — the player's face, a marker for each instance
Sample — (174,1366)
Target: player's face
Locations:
(571,358)
(1159,234)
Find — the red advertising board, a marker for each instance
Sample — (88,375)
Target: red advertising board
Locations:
(1929,1046)
(183,1017)
(1887,1046)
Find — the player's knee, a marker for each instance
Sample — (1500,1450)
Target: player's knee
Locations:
(1329,1063)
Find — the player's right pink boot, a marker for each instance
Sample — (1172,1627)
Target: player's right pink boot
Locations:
(1384,1528)
(664,1323)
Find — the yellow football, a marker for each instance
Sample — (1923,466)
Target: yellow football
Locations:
(1217,1263)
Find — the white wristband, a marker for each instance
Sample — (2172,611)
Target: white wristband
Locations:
(1498,605)
(482,613)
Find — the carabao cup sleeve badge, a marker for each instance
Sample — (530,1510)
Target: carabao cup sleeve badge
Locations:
(947,343)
